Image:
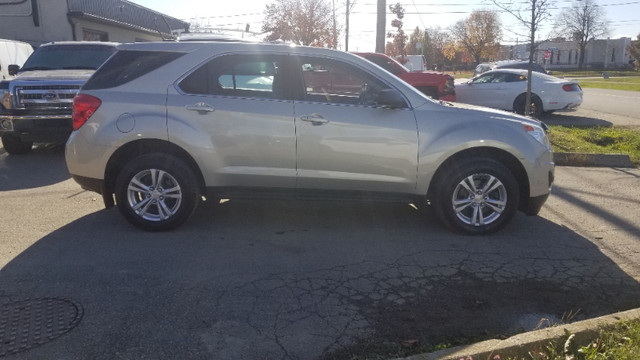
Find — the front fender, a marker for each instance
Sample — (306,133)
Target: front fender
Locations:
(462,134)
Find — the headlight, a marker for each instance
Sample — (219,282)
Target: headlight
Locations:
(5,100)
(538,133)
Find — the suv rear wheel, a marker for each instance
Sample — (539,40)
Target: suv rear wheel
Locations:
(156,192)
(476,196)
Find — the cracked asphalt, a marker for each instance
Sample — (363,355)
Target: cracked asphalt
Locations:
(308,280)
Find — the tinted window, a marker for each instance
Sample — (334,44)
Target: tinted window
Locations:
(68,56)
(484,79)
(336,82)
(238,75)
(125,66)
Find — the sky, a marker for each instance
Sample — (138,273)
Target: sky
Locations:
(624,16)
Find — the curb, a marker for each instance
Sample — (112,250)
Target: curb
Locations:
(520,345)
(592,160)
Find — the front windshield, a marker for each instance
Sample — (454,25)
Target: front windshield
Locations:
(68,56)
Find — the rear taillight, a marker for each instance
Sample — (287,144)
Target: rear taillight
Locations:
(571,87)
(83,107)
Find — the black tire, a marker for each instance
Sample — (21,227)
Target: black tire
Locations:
(15,146)
(149,204)
(536,109)
(483,211)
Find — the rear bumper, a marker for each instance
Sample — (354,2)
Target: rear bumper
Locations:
(90,184)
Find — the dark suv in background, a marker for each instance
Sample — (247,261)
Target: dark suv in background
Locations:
(507,64)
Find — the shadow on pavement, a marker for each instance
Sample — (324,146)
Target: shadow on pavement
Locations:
(306,280)
(26,171)
(571,119)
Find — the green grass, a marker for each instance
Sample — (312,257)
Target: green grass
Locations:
(594,73)
(626,83)
(622,342)
(598,140)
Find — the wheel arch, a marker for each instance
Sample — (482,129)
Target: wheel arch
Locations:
(146,146)
(505,158)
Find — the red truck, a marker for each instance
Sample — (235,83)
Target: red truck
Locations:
(436,84)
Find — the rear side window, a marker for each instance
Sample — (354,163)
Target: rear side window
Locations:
(126,66)
(259,76)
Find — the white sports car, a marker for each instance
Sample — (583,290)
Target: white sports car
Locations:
(506,89)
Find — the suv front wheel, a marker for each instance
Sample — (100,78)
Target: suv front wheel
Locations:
(156,192)
(476,196)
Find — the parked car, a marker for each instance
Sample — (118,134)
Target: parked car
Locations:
(37,104)
(507,64)
(506,89)
(160,125)
(436,84)
(12,53)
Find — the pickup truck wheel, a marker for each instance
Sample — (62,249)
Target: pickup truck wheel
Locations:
(14,145)
(157,192)
(476,196)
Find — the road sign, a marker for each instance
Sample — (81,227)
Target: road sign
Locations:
(547,54)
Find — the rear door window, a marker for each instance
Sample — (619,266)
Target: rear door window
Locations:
(256,75)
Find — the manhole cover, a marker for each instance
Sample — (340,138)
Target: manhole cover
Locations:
(30,323)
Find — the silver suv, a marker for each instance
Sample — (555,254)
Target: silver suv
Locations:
(162,126)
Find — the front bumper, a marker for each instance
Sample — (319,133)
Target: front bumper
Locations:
(38,128)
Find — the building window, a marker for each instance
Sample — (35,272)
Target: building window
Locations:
(94,35)
(558,58)
(576,60)
(569,58)
(613,55)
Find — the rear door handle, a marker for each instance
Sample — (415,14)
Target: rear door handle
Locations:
(315,119)
(201,108)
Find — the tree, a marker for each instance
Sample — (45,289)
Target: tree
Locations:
(417,37)
(634,51)
(398,45)
(530,16)
(436,50)
(303,22)
(582,22)
(479,34)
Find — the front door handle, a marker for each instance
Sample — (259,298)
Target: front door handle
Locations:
(315,119)
(201,108)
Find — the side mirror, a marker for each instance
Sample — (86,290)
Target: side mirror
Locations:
(392,99)
(14,69)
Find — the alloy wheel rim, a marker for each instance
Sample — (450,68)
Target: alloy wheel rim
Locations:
(479,199)
(154,195)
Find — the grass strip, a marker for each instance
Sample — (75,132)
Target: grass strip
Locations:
(596,140)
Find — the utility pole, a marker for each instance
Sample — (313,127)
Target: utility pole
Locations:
(335,30)
(380,28)
(346,37)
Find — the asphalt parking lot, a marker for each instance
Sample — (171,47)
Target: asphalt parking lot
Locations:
(298,280)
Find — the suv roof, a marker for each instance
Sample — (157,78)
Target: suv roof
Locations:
(507,64)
